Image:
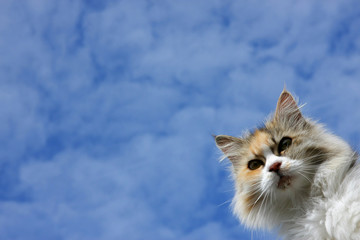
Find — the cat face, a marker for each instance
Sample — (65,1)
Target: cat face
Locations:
(274,166)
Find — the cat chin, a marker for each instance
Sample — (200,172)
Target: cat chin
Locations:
(288,182)
(284,182)
(279,184)
(288,187)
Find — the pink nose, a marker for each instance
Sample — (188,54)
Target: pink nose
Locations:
(275,167)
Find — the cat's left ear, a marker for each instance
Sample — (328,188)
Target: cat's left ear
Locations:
(287,107)
(229,146)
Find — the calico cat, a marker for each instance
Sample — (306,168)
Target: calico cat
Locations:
(293,175)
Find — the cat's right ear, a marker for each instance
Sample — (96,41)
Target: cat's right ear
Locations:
(229,146)
(287,108)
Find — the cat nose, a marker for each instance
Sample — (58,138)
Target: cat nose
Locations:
(275,167)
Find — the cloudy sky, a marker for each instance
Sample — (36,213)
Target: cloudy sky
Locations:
(107,107)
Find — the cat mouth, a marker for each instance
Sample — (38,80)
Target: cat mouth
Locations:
(284,181)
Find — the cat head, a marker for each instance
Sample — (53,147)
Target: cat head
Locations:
(275,166)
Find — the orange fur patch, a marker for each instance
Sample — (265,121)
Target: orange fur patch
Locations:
(256,144)
(249,201)
(256,151)
(259,139)
(249,176)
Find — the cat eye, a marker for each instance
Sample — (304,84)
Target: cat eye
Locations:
(285,142)
(255,164)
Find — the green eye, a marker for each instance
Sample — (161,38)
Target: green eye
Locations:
(284,144)
(255,164)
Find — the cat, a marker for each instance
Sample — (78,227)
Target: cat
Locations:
(294,176)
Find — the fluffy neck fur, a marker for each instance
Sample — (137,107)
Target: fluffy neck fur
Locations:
(317,163)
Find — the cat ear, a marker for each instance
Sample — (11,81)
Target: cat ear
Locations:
(229,146)
(287,107)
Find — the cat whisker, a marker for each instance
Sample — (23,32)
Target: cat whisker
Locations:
(254,192)
(228,201)
(262,203)
(307,170)
(305,177)
(253,204)
(258,198)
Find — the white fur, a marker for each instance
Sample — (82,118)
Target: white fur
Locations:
(334,217)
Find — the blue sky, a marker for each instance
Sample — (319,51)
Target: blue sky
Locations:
(107,107)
